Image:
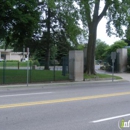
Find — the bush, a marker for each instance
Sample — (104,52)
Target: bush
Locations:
(52,62)
(35,62)
(108,68)
(43,62)
(103,67)
(109,63)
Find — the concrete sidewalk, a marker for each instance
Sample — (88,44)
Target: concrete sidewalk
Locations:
(124,75)
(59,83)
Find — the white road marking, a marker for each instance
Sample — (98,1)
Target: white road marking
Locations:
(27,94)
(110,118)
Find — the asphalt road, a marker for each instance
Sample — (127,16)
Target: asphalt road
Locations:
(84,106)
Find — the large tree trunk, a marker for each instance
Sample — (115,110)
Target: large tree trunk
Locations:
(90,66)
(47,58)
(48,41)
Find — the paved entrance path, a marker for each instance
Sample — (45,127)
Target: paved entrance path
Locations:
(125,76)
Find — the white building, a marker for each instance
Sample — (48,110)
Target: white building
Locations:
(10,55)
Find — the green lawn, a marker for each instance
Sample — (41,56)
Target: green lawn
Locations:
(20,76)
(14,64)
(100,76)
(35,76)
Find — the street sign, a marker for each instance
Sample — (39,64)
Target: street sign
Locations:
(113,56)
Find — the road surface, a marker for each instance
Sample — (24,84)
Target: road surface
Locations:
(84,106)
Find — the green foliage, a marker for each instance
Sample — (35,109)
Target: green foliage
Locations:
(35,62)
(92,12)
(54,62)
(14,64)
(35,76)
(18,20)
(59,27)
(114,47)
(53,52)
(107,55)
(115,12)
(80,46)
(101,47)
(99,76)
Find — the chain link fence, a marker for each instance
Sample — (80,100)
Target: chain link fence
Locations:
(27,72)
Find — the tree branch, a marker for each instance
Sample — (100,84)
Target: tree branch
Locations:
(87,11)
(103,11)
(96,9)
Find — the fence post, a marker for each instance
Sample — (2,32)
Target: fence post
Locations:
(18,65)
(54,71)
(4,66)
(30,72)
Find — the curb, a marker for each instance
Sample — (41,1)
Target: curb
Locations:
(64,83)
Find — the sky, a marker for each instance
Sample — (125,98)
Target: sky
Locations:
(102,35)
(101,30)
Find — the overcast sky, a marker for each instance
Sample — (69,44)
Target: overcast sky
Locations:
(101,33)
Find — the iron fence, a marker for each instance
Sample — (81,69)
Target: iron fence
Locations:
(19,72)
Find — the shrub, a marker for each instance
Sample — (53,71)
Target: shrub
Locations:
(103,67)
(35,62)
(108,68)
(52,62)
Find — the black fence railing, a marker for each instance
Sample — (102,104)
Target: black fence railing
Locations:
(23,72)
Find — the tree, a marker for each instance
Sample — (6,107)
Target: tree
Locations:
(127,41)
(100,49)
(114,47)
(92,12)
(57,27)
(80,46)
(18,21)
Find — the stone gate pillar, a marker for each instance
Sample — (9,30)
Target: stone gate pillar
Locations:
(122,59)
(76,65)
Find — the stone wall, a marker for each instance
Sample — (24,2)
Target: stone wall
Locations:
(122,59)
(76,64)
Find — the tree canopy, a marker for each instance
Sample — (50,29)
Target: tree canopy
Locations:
(114,47)
(59,22)
(101,47)
(92,12)
(18,20)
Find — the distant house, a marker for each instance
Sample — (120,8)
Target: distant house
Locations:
(8,54)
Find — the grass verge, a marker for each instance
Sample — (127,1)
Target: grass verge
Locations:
(100,76)
(36,76)
(14,64)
